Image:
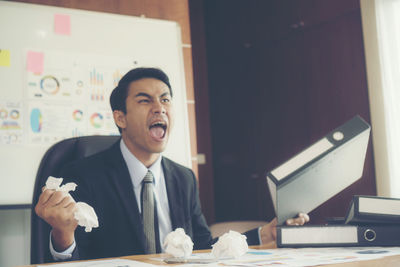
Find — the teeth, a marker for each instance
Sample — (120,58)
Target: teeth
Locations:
(158,123)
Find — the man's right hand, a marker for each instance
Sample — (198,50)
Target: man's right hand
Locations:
(57,208)
(268,231)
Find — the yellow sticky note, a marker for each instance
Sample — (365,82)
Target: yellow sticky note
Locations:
(4,58)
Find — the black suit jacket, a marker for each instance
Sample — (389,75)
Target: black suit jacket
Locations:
(104,183)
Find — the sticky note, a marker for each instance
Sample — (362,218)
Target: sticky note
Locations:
(62,24)
(4,58)
(35,62)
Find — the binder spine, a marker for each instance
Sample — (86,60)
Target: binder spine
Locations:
(366,236)
(317,236)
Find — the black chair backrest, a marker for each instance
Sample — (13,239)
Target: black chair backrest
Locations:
(51,164)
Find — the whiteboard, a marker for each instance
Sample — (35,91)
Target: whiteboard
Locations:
(58,67)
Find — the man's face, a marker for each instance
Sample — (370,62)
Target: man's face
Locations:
(148,120)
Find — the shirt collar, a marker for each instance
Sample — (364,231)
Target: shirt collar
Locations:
(137,169)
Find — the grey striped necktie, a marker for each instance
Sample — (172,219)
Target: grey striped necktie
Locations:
(148,212)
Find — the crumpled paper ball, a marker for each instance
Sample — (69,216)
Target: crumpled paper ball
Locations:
(85,214)
(54,183)
(230,245)
(178,244)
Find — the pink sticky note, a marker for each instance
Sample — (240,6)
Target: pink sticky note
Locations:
(35,62)
(62,24)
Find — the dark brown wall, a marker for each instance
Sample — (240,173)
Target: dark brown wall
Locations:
(175,10)
(282,74)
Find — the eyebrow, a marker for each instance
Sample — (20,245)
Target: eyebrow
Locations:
(142,94)
(165,94)
(149,96)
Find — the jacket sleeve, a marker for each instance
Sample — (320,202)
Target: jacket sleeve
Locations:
(252,237)
(71,173)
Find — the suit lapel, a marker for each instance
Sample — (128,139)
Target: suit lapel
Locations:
(174,195)
(120,178)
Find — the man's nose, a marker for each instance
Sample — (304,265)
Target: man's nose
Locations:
(158,107)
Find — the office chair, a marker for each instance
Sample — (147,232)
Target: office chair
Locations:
(52,162)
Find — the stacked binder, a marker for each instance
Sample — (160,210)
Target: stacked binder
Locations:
(370,221)
(373,209)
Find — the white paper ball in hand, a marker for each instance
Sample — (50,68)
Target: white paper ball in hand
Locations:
(85,214)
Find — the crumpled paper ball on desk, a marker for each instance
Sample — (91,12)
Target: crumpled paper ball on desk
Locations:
(230,245)
(178,244)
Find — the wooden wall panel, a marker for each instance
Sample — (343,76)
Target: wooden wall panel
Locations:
(200,78)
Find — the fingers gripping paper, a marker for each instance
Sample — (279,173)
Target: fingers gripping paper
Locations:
(85,214)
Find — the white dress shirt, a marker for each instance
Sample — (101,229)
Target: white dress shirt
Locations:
(137,171)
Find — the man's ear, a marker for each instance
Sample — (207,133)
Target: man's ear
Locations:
(119,118)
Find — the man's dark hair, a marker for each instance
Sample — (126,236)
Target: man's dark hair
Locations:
(120,93)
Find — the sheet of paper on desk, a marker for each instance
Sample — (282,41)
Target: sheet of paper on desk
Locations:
(311,256)
(195,259)
(103,263)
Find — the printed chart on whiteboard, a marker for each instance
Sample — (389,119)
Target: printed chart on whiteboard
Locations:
(68,95)
(11,122)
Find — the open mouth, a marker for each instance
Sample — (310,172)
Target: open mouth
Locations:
(158,130)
